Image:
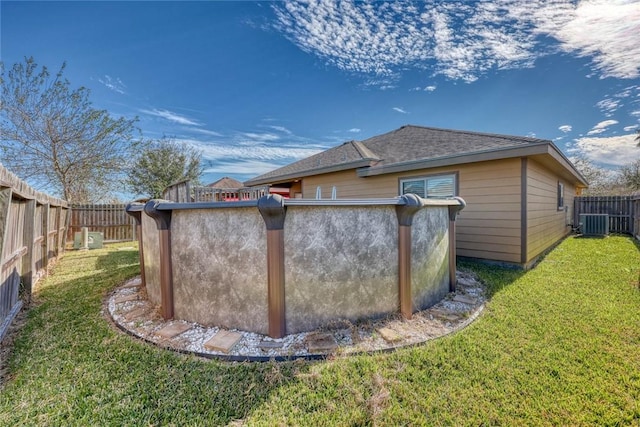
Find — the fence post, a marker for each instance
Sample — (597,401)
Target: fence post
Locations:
(67,222)
(5,207)
(28,260)
(45,233)
(59,230)
(10,305)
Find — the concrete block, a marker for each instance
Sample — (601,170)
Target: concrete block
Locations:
(465,299)
(171,331)
(223,341)
(321,343)
(389,335)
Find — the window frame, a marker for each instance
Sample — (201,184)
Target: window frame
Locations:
(425,179)
(560,196)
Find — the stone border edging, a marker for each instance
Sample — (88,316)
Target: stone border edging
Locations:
(427,325)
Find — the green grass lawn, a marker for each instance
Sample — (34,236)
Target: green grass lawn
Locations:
(558,345)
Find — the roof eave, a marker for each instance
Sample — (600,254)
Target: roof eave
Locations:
(310,172)
(479,156)
(495,154)
(559,156)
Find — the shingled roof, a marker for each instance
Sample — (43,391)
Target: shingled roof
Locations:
(226,183)
(406,148)
(349,155)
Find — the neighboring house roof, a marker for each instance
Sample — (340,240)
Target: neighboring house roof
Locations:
(416,147)
(226,183)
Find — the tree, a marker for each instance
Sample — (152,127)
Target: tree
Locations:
(53,137)
(601,181)
(162,163)
(638,137)
(630,175)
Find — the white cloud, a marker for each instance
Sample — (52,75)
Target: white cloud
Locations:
(565,128)
(601,127)
(115,84)
(400,110)
(354,130)
(630,128)
(281,129)
(612,103)
(205,131)
(614,151)
(463,40)
(243,167)
(608,106)
(607,31)
(226,150)
(171,116)
(261,137)
(426,88)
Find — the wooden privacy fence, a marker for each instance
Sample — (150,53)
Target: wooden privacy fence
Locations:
(184,192)
(32,234)
(110,219)
(623,211)
(179,192)
(209,194)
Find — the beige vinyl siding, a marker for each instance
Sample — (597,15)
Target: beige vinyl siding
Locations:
(546,224)
(295,191)
(348,186)
(488,228)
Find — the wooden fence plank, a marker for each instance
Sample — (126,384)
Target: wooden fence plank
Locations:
(109,219)
(6,281)
(619,208)
(27,243)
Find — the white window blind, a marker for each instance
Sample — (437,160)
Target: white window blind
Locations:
(437,186)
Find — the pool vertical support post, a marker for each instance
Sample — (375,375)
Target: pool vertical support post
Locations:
(135,211)
(273,212)
(163,224)
(453,213)
(405,213)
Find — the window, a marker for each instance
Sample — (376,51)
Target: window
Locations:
(560,196)
(435,186)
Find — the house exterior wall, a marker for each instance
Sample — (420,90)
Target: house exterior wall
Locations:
(488,228)
(546,224)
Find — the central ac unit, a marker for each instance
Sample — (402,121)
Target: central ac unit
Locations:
(594,224)
(95,238)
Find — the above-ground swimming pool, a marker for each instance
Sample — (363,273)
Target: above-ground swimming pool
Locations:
(277,266)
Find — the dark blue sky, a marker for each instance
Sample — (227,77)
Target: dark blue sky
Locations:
(256,85)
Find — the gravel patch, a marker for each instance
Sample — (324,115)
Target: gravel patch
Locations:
(141,319)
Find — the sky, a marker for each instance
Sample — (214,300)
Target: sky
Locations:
(258,85)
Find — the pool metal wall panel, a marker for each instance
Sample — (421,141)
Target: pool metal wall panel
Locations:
(151,257)
(429,257)
(220,267)
(340,263)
